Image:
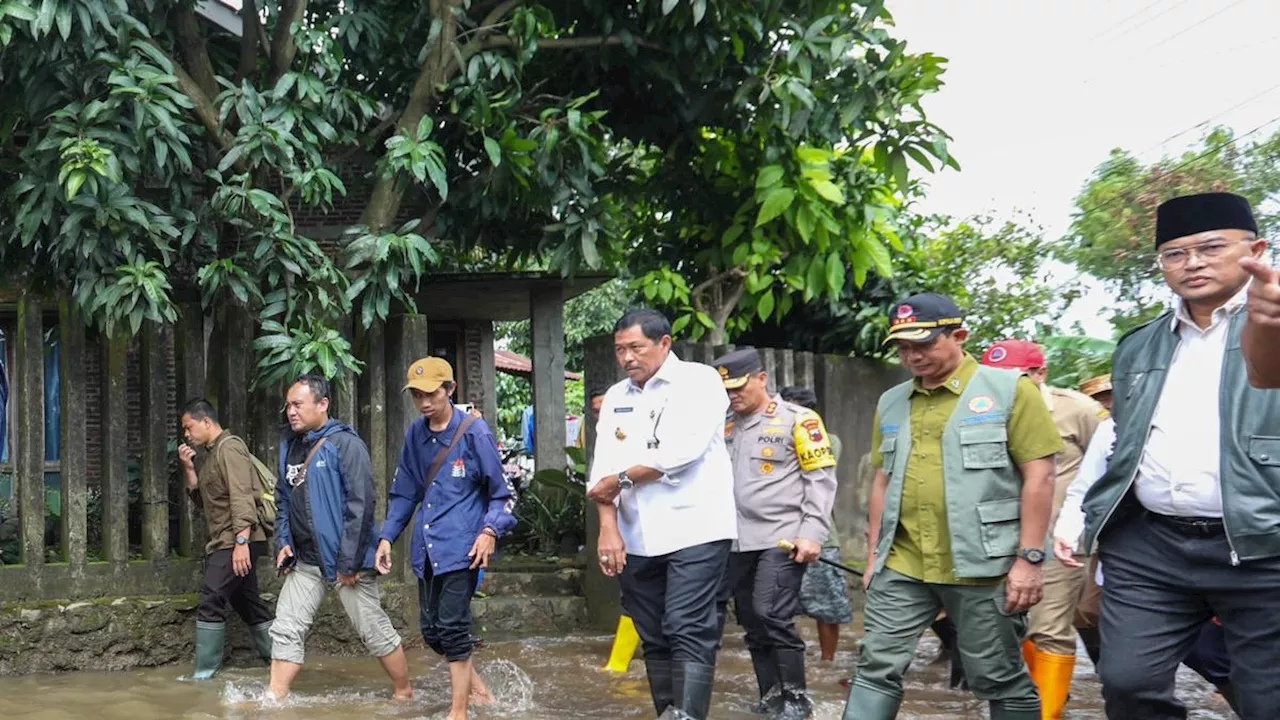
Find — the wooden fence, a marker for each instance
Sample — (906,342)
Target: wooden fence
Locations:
(183,360)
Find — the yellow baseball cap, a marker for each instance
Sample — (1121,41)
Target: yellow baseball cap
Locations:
(428,374)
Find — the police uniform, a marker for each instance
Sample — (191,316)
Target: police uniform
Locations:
(949,530)
(784,487)
(1050,648)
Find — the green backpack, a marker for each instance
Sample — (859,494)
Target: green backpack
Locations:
(266,496)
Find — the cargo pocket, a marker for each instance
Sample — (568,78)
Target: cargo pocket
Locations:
(888,450)
(1264,450)
(984,448)
(999,526)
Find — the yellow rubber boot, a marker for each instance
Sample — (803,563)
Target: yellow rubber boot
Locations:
(625,641)
(1053,677)
(1029,657)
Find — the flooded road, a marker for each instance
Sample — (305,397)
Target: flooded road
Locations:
(540,678)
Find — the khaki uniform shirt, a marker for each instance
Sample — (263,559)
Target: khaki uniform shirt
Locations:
(922,547)
(1076,416)
(784,479)
(228,486)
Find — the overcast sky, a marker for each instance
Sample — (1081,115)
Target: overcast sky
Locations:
(1039,91)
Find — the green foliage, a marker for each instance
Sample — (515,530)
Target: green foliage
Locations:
(550,513)
(1113,235)
(992,270)
(790,182)
(147,156)
(1072,359)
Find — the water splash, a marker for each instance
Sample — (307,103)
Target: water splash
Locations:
(512,689)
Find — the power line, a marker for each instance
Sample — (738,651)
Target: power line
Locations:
(1127,18)
(1206,121)
(1194,25)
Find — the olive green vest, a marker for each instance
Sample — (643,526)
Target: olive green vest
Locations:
(1250,442)
(983,485)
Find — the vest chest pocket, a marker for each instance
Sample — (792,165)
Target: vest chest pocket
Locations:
(1000,527)
(1264,450)
(888,449)
(984,448)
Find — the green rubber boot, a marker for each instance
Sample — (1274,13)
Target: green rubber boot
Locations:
(262,639)
(868,703)
(210,639)
(1015,709)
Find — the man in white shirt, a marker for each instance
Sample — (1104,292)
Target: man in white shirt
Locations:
(662,482)
(1185,517)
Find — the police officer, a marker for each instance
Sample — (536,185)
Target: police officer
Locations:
(958,511)
(1050,649)
(784,486)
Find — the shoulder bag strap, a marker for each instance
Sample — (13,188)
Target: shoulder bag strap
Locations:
(444,452)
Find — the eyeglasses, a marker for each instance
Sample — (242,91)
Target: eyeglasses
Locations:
(1209,250)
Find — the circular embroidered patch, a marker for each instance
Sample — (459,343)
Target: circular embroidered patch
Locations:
(766,468)
(982,404)
(905,311)
(998,353)
(767,452)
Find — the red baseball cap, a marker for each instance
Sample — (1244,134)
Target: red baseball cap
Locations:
(1014,354)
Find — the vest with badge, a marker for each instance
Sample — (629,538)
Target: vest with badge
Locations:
(982,483)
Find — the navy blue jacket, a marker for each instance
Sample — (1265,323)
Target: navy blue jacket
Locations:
(470,493)
(340,488)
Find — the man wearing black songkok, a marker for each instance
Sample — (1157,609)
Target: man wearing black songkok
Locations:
(1186,519)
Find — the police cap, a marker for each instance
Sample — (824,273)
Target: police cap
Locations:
(737,367)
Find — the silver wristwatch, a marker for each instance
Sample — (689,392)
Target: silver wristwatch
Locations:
(624,482)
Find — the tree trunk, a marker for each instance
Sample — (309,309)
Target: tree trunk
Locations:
(437,68)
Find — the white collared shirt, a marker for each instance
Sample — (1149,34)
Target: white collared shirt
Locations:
(1070,525)
(1178,472)
(683,408)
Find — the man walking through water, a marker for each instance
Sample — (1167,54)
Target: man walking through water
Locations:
(449,469)
(959,508)
(662,483)
(325,534)
(784,486)
(1185,518)
(225,488)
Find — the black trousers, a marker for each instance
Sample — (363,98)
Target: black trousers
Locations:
(765,588)
(444,611)
(1209,656)
(1160,587)
(223,590)
(672,600)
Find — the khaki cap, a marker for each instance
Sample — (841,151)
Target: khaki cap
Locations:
(428,374)
(1096,385)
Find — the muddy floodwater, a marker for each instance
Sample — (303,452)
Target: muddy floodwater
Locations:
(545,677)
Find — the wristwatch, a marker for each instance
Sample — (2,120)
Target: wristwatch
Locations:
(242,540)
(624,482)
(1035,556)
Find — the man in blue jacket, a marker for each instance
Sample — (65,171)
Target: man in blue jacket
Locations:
(325,536)
(451,476)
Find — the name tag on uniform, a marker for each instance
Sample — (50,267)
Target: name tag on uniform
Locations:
(623,410)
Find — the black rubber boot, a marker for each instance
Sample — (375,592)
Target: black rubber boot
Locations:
(694,682)
(262,639)
(211,637)
(1092,640)
(796,704)
(766,667)
(660,684)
